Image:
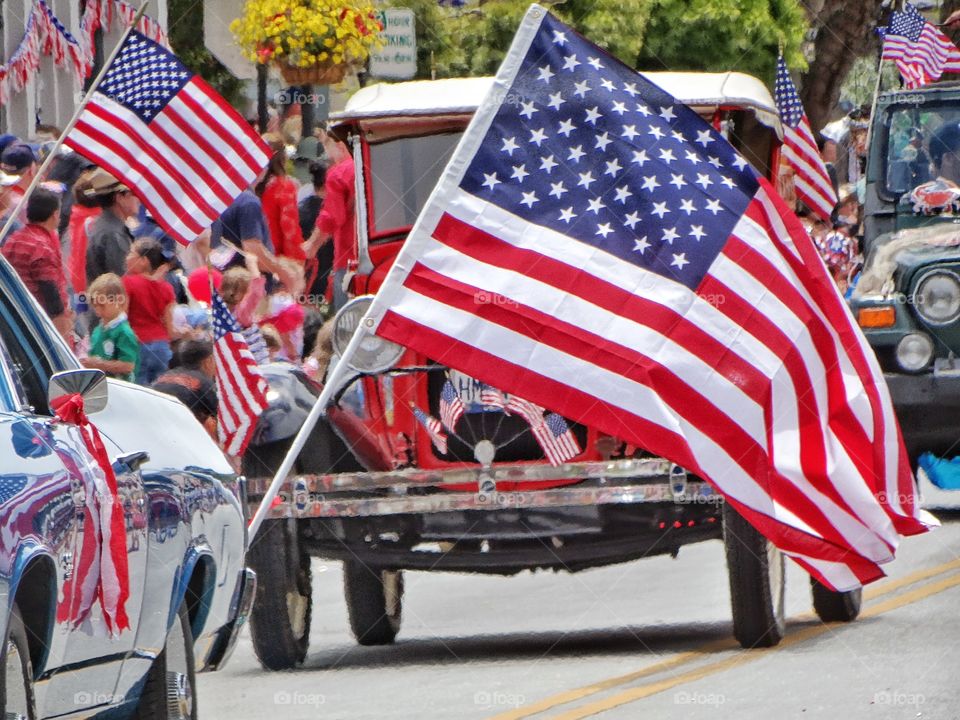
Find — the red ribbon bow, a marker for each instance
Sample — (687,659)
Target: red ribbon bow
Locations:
(104,525)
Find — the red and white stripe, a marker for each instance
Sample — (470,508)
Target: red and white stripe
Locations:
(758,382)
(242,392)
(811,180)
(186,166)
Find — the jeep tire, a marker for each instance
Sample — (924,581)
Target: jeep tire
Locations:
(833,606)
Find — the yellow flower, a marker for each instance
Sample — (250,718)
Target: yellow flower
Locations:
(305,32)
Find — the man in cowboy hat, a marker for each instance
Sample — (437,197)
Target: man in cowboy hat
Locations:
(109,239)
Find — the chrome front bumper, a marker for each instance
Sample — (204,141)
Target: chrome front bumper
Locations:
(612,482)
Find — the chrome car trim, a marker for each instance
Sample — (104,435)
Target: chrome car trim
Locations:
(398,480)
(247,591)
(317,505)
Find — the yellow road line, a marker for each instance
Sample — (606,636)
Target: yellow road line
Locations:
(564,698)
(749,656)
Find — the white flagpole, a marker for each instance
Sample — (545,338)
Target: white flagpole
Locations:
(37,179)
(319,409)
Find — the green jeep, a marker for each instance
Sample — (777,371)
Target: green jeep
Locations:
(907,300)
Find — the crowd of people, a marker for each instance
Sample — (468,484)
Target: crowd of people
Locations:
(843,147)
(134,303)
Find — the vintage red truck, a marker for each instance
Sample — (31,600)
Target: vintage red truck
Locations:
(385,488)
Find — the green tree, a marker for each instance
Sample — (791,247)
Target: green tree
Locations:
(743,35)
(186,38)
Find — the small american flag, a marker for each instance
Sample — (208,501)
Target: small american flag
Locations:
(556,439)
(492,398)
(169,137)
(241,388)
(921,52)
(451,406)
(800,149)
(529,411)
(434,429)
(661,292)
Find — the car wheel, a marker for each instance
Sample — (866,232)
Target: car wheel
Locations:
(170,690)
(16,683)
(756,572)
(374,602)
(833,606)
(280,618)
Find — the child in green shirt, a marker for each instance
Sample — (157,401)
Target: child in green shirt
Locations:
(114,347)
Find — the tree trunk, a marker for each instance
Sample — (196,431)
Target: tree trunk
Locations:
(844,33)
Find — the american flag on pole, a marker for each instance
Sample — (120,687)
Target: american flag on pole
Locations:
(556,439)
(241,389)
(921,52)
(800,149)
(451,406)
(169,137)
(660,292)
(434,429)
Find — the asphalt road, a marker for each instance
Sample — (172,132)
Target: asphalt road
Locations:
(646,639)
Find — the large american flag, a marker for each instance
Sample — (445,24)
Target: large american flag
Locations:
(810,178)
(169,137)
(921,52)
(241,389)
(660,292)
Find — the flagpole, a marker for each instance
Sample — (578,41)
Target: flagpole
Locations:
(330,387)
(38,178)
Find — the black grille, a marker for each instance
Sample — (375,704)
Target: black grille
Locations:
(512,432)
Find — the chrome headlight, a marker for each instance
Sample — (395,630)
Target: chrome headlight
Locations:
(374,354)
(937,297)
(915,352)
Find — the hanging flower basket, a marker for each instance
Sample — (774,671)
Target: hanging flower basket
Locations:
(312,42)
(319,74)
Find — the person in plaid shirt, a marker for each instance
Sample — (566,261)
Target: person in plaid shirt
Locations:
(34,252)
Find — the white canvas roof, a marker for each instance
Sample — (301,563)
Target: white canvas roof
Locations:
(702,91)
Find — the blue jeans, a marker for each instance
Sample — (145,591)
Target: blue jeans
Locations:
(154,359)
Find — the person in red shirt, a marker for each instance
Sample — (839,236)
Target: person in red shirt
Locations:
(278,195)
(34,252)
(337,219)
(150,308)
(82,213)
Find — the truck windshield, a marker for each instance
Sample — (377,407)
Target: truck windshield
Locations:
(403,172)
(912,147)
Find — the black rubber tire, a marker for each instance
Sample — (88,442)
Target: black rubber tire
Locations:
(280,618)
(17,636)
(756,574)
(833,606)
(365,591)
(154,701)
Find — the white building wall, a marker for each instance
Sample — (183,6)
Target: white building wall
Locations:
(51,97)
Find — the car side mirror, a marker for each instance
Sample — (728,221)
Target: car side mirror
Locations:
(90,384)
